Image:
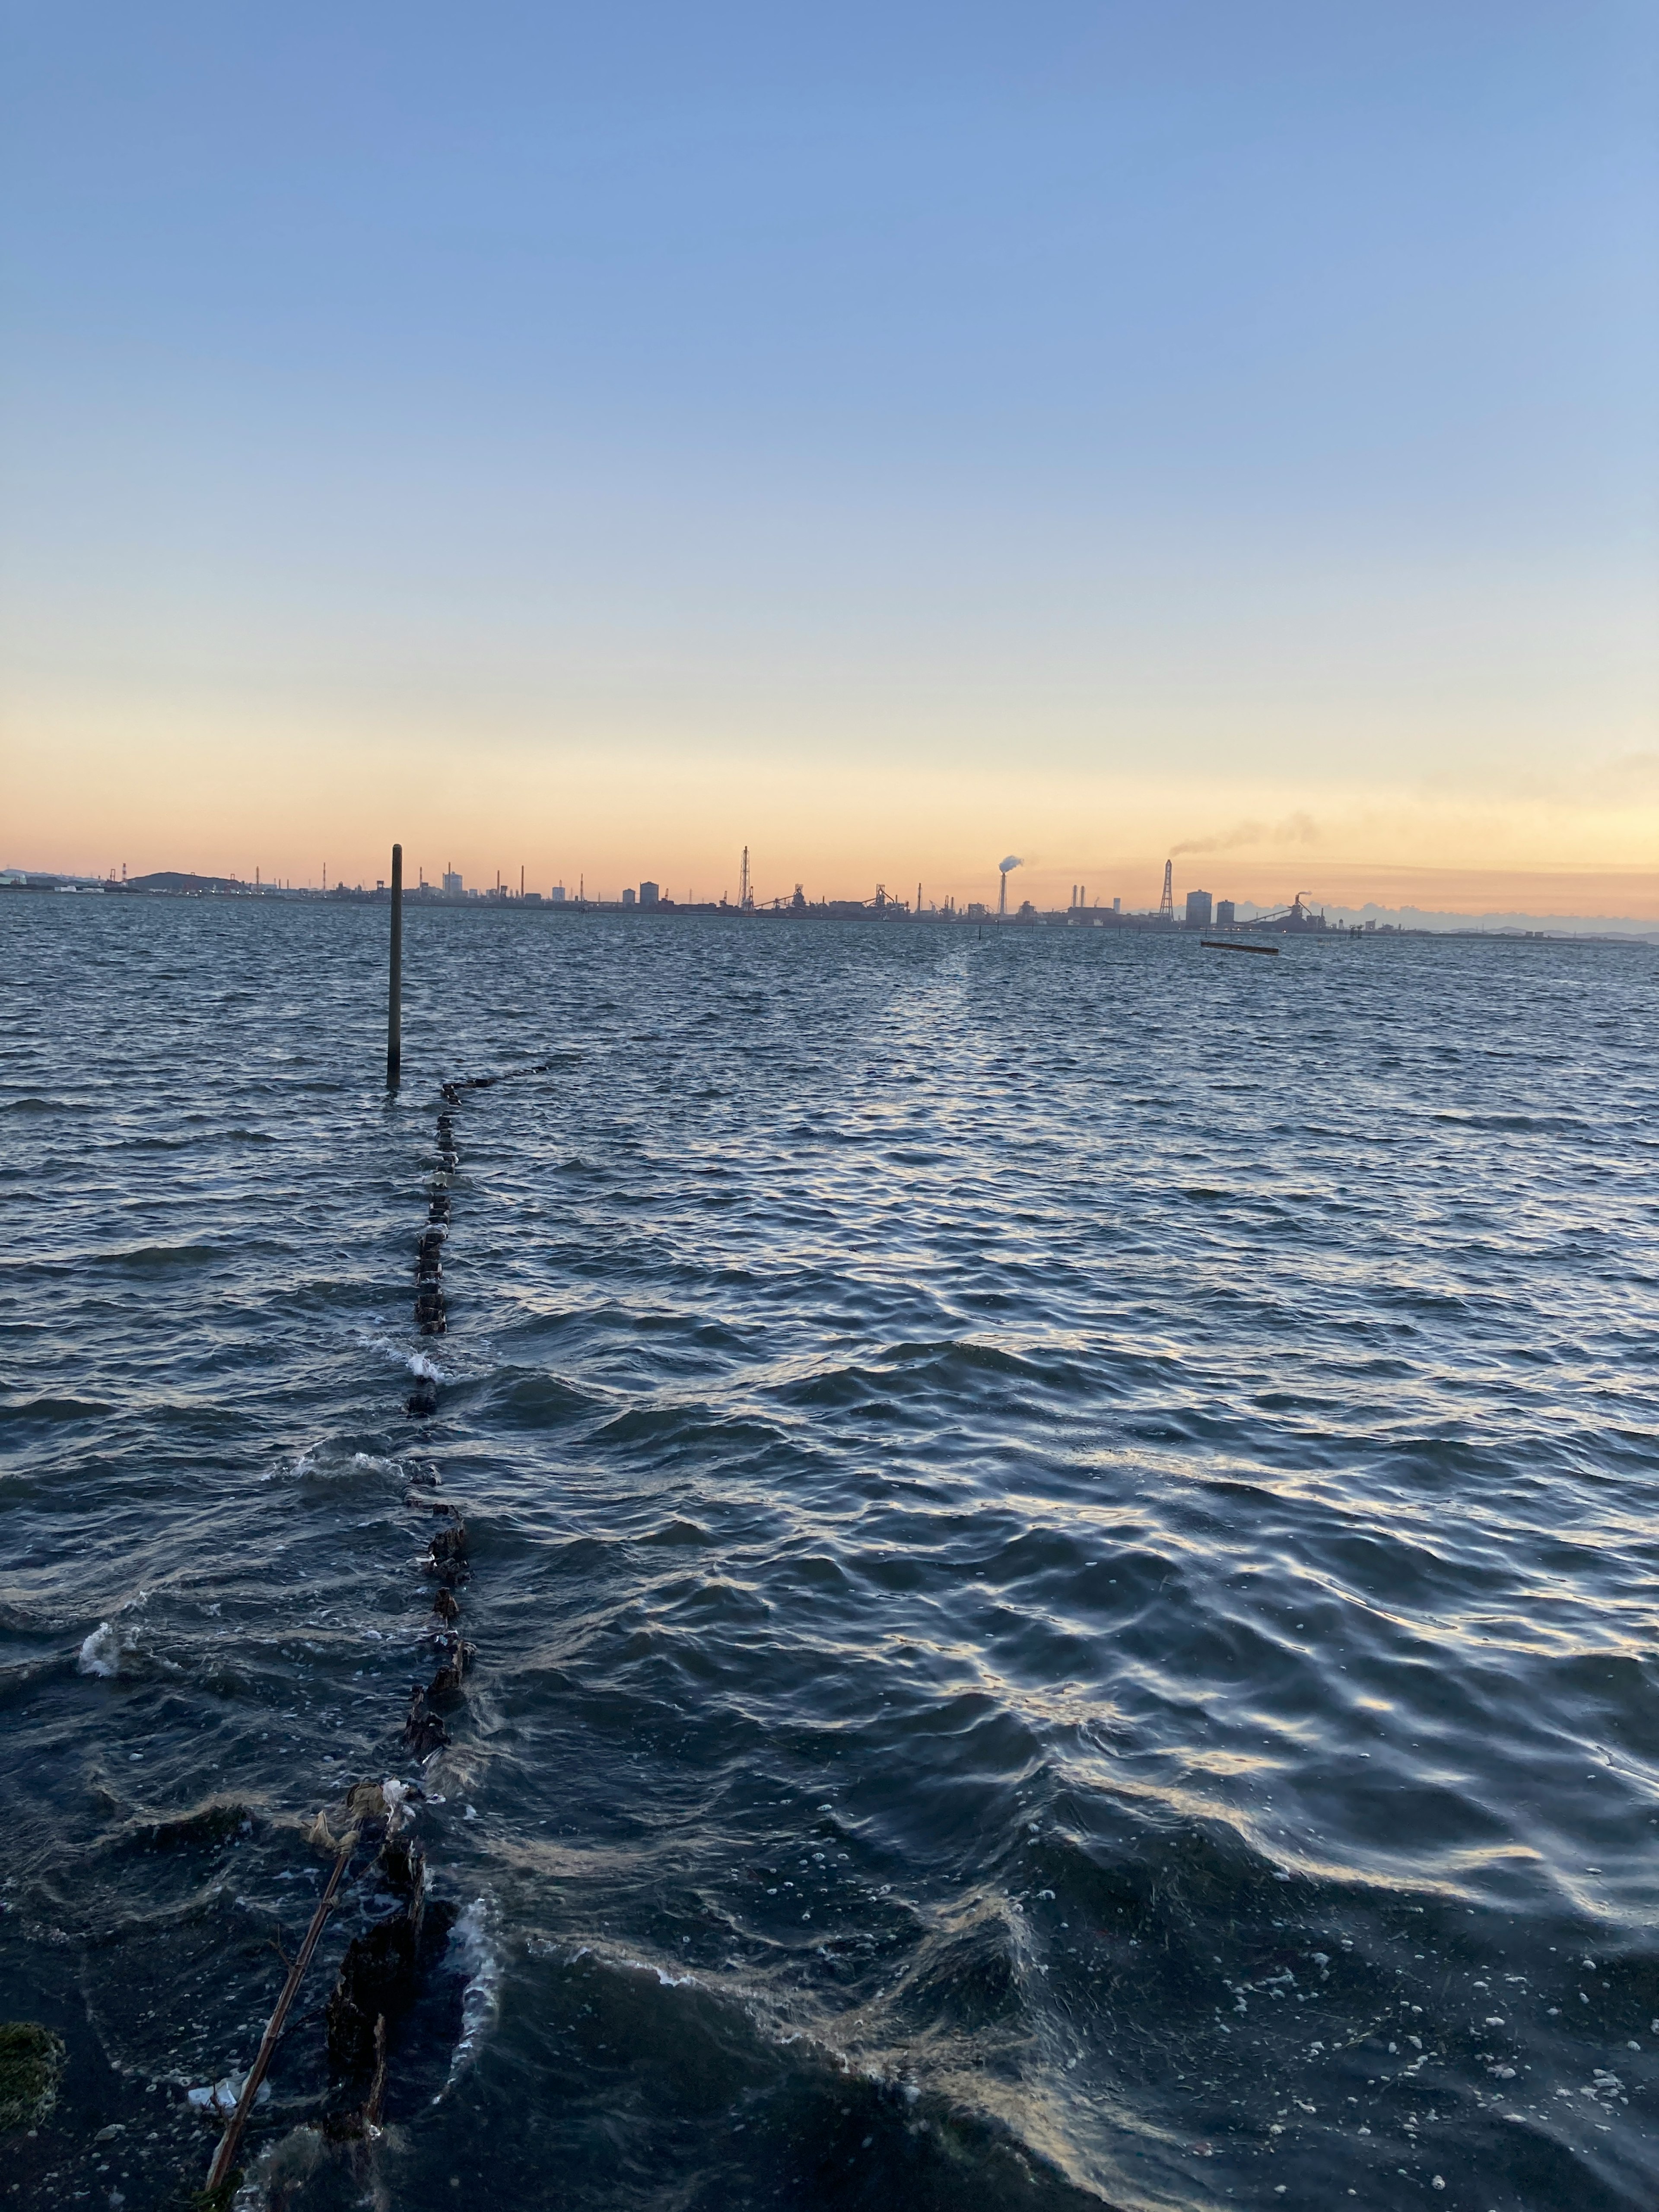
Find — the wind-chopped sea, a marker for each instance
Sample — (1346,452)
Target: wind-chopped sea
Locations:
(1061,1541)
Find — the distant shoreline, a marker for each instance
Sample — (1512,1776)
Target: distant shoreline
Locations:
(1105,921)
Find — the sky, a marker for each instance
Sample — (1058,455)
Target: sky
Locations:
(592,440)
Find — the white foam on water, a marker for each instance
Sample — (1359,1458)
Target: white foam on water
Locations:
(397,1795)
(106,1649)
(668,1981)
(100,1654)
(326,1460)
(416,1363)
(473,1940)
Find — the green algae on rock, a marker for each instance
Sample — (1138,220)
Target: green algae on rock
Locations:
(31,2064)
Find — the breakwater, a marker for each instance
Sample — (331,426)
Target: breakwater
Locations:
(380,1974)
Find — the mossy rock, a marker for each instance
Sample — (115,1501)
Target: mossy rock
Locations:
(31,2065)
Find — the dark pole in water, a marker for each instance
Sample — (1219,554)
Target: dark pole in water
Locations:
(394,1013)
(224,2157)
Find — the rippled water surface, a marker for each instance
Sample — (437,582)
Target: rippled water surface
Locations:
(1062,1541)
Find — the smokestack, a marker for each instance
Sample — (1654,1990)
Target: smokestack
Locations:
(1013,860)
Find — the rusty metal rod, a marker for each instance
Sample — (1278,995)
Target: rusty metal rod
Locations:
(394,1016)
(223,2157)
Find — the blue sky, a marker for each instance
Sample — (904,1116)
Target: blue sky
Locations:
(1080,428)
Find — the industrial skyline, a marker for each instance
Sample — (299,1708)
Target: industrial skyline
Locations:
(1198,909)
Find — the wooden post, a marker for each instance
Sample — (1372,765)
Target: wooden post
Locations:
(394,1013)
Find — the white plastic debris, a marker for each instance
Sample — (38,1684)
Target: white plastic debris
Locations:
(222,2097)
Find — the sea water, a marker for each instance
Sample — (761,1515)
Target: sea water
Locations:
(1064,1560)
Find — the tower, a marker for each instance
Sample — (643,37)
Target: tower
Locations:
(1166,904)
(1002,894)
(745,894)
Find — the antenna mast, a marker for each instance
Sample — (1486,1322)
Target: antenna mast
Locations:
(1166,904)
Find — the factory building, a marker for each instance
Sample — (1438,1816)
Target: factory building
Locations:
(1198,910)
(1226,915)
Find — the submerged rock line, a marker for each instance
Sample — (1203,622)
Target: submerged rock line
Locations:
(386,1964)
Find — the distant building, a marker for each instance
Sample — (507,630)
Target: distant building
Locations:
(1300,915)
(558,894)
(453,886)
(1117,906)
(1198,910)
(1226,915)
(630,896)
(650,894)
(975,910)
(533,898)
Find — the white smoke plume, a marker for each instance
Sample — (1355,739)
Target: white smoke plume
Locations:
(1295,829)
